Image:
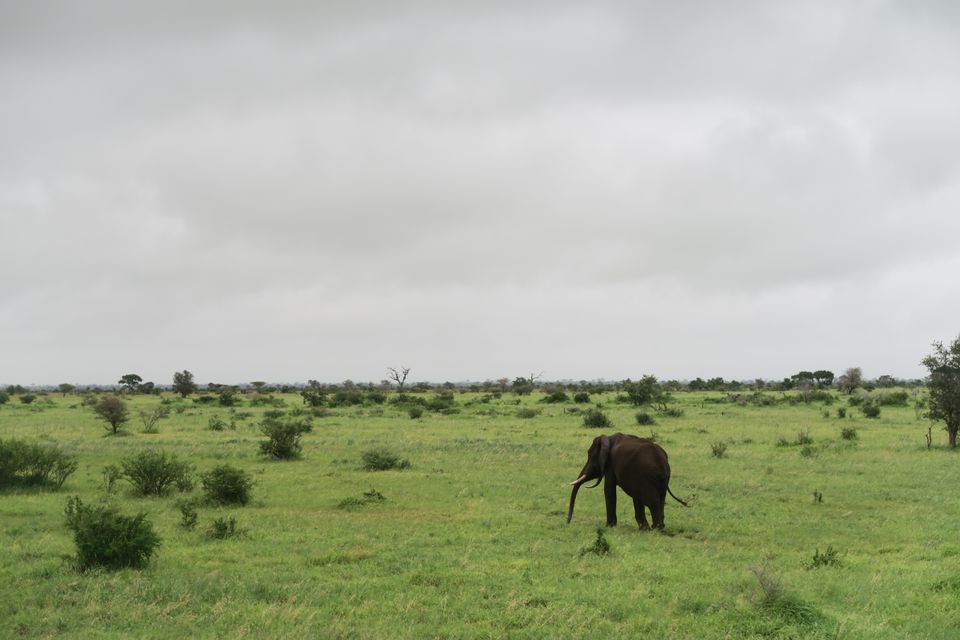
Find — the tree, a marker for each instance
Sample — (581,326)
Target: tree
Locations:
(823,377)
(112,410)
(400,377)
(521,386)
(944,383)
(130,382)
(647,391)
(850,380)
(183,383)
(65,388)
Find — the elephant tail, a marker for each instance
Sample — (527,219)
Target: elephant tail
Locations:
(675,497)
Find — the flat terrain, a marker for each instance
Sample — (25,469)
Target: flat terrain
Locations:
(471,541)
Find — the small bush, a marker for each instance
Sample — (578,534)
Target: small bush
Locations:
(188,513)
(368,497)
(382,459)
(23,463)
(848,433)
(644,419)
(673,412)
(600,546)
(581,397)
(829,558)
(841,412)
(894,399)
(27,398)
(217,423)
(156,473)
(555,397)
(807,451)
(871,410)
(227,485)
(106,538)
(150,419)
(415,412)
(223,528)
(527,412)
(283,437)
(803,437)
(596,419)
(718,449)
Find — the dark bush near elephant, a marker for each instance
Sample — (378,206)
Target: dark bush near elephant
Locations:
(639,466)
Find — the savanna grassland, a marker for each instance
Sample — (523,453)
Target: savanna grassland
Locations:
(471,540)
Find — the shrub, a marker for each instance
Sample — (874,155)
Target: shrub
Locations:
(22,463)
(151,418)
(894,399)
(599,547)
(283,437)
(415,412)
(596,419)
(673,412)
(871,410)
(807,451)
(718,449)
(368,497)
(581,397)
(217,423)
(27,398)
(107,538)
(112,410)
(555,397)
(223,528)
(154,472)
(188,513)
(644,419)
(527,412)
(848,433)
(111,473)
(829,558)
(841,412)
(382,459)
(803,437)
(227,485)
(4,397)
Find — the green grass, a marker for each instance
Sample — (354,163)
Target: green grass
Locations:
(471,540)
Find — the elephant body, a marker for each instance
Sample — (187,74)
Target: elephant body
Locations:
(639,466)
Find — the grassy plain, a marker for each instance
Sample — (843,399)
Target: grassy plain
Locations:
(471,541)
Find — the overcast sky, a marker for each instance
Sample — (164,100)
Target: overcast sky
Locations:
(286,191)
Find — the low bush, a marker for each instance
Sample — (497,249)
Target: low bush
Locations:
(415,412)
(227,485)
(644,419)
(871,410)
(527,412)
(152,417)
(188,513)
(829,558)
(156,473)
(673,412)
(841,412)
(23,463)
(555,397)
(581,397)
(113,411)
(223,528)
(848,433)
(368,497)
(596,419)
(382,459)
(106,538)
(283,436)
(600,546)
(894,399)
(718,449)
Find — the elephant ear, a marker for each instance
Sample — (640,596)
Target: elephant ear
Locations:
(604,453)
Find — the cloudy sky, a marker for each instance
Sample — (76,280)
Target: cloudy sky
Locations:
(292,190)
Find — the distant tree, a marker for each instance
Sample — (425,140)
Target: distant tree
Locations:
(502,383)
(130,382)
(27,398)
(521,386)
(398,376)
(647,391)
(803,376)
(112,410)
(716,384)
(850,380)
(886,381)
(183,383)
(148,388)
(697,384)
(258,385)
(944,383)
(227,396)
(4,397)
(823,377)
(65,388)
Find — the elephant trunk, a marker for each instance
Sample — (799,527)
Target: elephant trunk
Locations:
(573,499)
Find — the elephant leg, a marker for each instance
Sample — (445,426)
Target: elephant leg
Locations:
(610,496)
(657,511)
(641,515)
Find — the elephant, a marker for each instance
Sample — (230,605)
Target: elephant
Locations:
(638,465)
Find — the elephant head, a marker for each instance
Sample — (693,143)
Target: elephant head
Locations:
(597,457)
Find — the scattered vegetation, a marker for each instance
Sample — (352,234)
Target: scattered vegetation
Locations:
(226,484)
(27,464)
(283,436)
(718,449)
(596,419)
(382,459)
(600,546)
(223,528)
(156,473)
(829,558)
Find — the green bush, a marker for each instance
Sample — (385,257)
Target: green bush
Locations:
(188,513)
(555,397)
(894,399)
(382,459)
(415,412)
(673,412)
(155,473)
(283,436)
(718,449)
(4,397)
(871,410)
(581,397)
(23,463)
(223,528)
(848,433)
(841,412)
(106,538)
(527,412)
(112,410)
(643,418)
(599,547)
(829,558)
(227,485)
(596,419)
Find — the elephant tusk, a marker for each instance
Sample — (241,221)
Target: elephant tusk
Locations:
(579,480)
